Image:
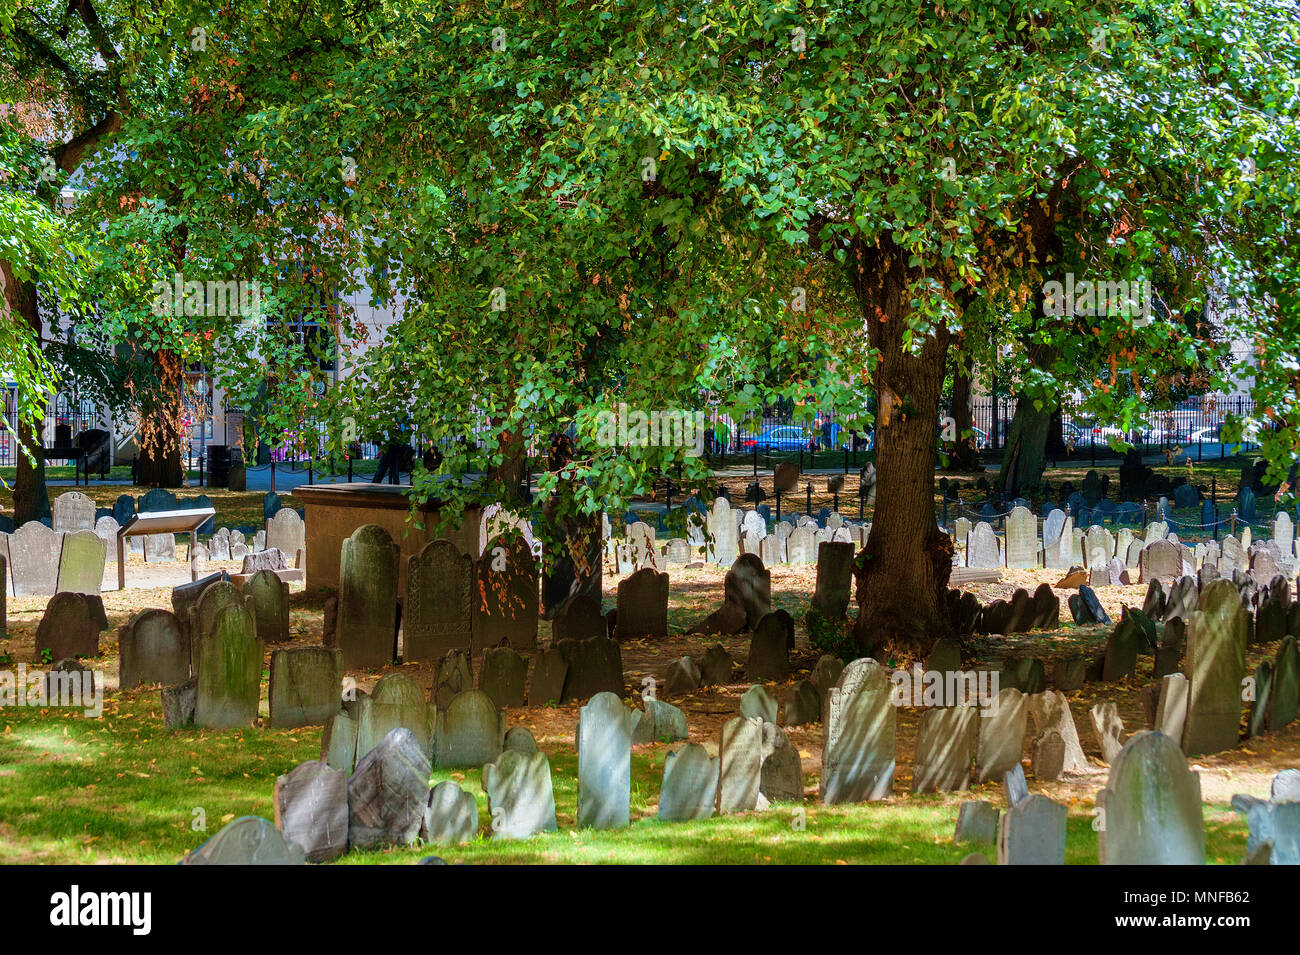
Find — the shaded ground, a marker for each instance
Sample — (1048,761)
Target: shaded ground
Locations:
(122,788)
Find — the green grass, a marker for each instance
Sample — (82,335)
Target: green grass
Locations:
(124,789)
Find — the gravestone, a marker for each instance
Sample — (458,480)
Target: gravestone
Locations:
(123,509)
(34,552)
(507,605)
(749,585)
(1215,666)
(1285,700)
(578,619)
(769,649)
(367,614)
(159,548)
(740,764)
(470,732)
(455,675)
(595,666)
(306,684)
(549,674)
(643,605)
(521,802)
(977,821)
(178,704)
(801,546)
(723,534)
(338,744)
(682,677)
(153,650)
(215,597)
(781,775)
(715,666)
(945,747)
(72,511)
(758,703)
(1002,736)
(860,721)
(451,817)
(982,547)
(520,740)
(1022,538)
(834,580)
(388,793)
(659,722)
(229,672)
(503,676)
(106,530)
(437,607)
(248,840)
(1152,806)
(604,744)
(1162,560)
(1051,712)
(311,810)
(1108,728)
(690,785)
(286,531)
(268,597)
(68,628)
(1032,832)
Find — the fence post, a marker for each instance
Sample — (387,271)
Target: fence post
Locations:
(778,505)
(349,469)
(202,458)
(846,460)
(273,474)
(310,465)
(810,498)
(835,501)
(755,460)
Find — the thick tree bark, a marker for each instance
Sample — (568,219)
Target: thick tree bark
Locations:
(903,570)
(159,435)
(964,456)
(1025,457)
(31,496)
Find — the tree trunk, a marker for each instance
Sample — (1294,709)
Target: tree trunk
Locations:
(31,496)
(159,464)
(1025,456)
(158,437)
(964,456)
(903,570)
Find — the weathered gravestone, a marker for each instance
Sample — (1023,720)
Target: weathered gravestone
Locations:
(1032,832)
(690,785)
(81,563)
(455,675)
(982,547)
(520,799)
(1108,728)
(549,674)
(306,684)
(1051,713)
(604,744)
(437,610)
(153,650)
(34,552)
(740,765)
(451,817)
(311,810)
(1285,698)
(248,840)
(749,585)
(643,605)
(338,743)
(861,722)
(781,775)
(519,739)
(723,534)
(506,606)
(367,615)
(977,821)
(72,511)
(215,597)
(945,747)
(69,628)
(1001,736)
(579,619)
(1215,664)
(268,598)
(758,703)
(470,732)
(1151,806)
(769,649)
(388,793)
(286,531)
(594,666)
(658,722)
(504,675)
(1022,538)
(106,529)
(229,672)
(1162,560)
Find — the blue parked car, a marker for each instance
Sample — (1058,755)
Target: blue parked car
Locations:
(780,437)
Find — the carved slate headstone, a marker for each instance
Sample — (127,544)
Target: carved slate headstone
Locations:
(311,810)
(367,615)
(437,611)
(153,650)
(306,685)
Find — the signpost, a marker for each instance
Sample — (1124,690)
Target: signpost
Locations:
(163,522)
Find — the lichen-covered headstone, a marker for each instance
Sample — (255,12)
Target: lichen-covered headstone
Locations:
(521,802)
(153,650)
(311,810)
(305,685)
(397,701)
(269,598)
(229,672)
(1151,806)
(470,732)
(604,744)
(388,793)
(367,615)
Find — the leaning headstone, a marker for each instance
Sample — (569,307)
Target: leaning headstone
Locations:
(945,747)
(690,784)
(802,704)
(977,821)
(1051,712)
(229,672)
(861,721)
(1171,706)
(152,650)
(769,649)
(1285,702)
(604,744)
(311,810)
(248,840)
(470,732)
(834,580)
(521,802)
(715,666)
(658,722)
(437,607)
(1032,832)
(269,599)
(1108,728)
(367,615)
(1152,806)
(305,685)
(451,817)
(758,703)
(388,793)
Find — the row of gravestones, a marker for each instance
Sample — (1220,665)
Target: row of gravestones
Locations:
(1108,556)
(41,561)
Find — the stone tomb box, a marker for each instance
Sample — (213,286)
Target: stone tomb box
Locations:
(334,511)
